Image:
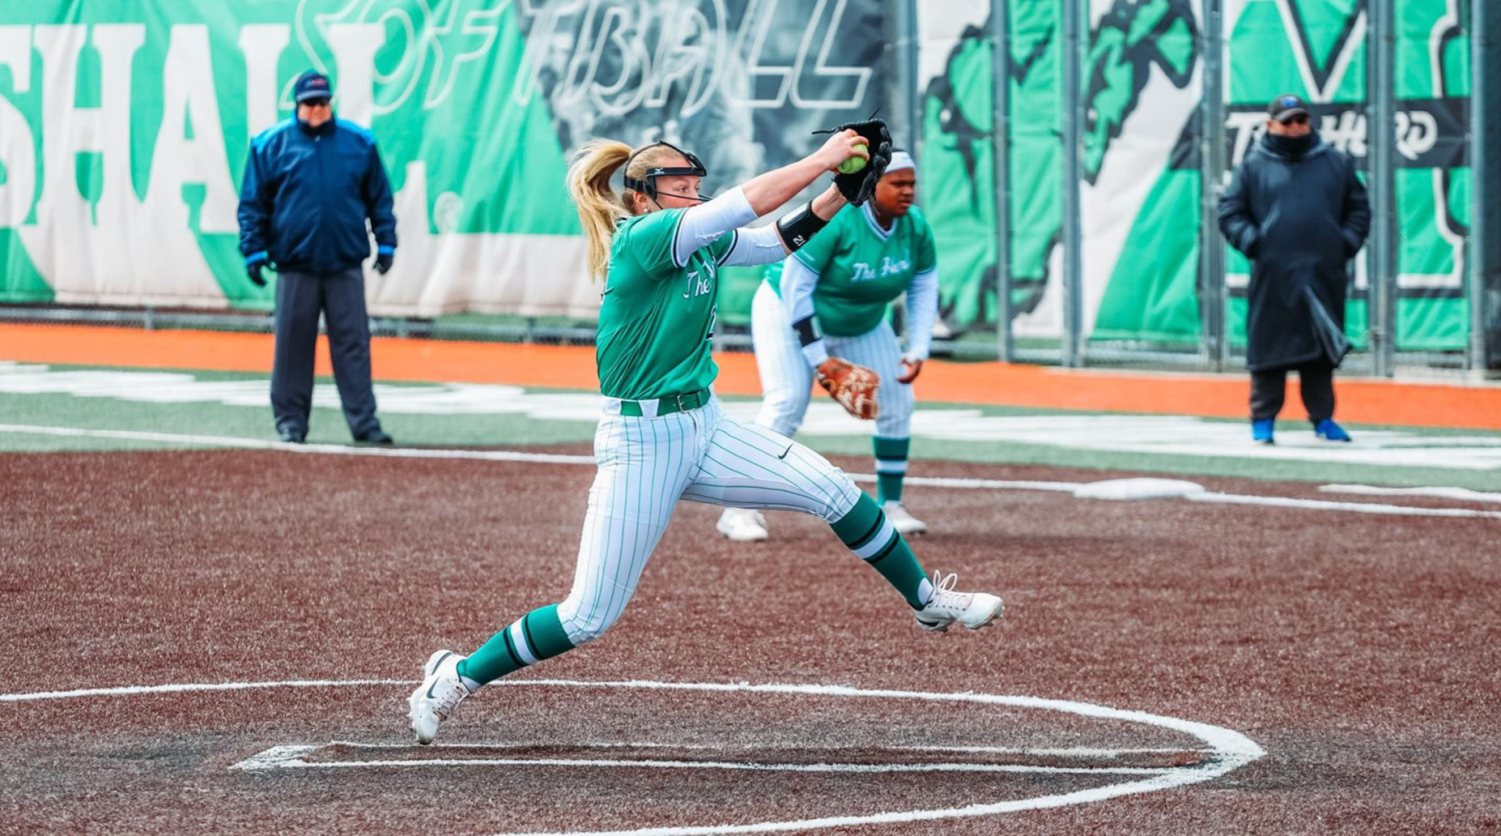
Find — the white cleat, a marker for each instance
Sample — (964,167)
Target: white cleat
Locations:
(902,521)
(742,525)
(972,609)
(435,698)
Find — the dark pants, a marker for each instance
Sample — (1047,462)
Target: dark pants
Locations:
(1315,380)
(340,297)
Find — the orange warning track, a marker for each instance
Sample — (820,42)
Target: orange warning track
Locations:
(1361,401)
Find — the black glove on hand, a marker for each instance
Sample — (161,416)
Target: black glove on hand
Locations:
(383,262)
(253,269)
(859,186)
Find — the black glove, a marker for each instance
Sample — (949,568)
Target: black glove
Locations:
(253,267)
(859,186)
(383,262)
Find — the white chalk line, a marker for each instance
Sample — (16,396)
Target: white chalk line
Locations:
(1461,494)
(293,757)
(193,687)
(550,458)
(1071,752)
(1349,507)
(1229,749)
(733,766)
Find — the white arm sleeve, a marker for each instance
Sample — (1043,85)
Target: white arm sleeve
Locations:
(704,223)
(922,309)
(798,282)
(761,245)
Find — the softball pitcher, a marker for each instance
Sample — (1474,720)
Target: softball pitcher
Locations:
(663,436)
(831,298)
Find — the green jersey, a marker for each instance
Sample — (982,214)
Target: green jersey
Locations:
(861,267)
(656,321)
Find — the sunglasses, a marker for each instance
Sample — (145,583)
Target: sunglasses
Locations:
(316,102)
(1296,119)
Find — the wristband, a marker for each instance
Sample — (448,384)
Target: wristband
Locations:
(799,225)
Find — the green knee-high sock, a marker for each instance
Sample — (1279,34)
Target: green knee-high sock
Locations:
(535,636)
(867,533)
(891,467)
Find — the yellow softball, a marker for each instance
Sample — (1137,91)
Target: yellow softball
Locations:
(853,164)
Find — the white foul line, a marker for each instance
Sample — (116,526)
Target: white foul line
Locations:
(192,687)
(1461,494)
(1326,505)
(552,458)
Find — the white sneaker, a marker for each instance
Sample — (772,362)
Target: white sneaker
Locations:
(972,609)
(743,525)
(902,521)
(435,698)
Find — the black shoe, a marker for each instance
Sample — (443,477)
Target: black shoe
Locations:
(377,437)
(291,435)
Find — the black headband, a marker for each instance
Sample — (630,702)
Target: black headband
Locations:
(647,185)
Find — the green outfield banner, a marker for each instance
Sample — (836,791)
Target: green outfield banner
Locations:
(124,128)
(1141,190)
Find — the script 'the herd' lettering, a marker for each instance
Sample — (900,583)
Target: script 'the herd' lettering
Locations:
(889,267)
(700,285)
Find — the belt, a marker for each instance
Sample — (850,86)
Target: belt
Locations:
(665,405)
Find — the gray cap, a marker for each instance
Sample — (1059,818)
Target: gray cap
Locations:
(1285,107)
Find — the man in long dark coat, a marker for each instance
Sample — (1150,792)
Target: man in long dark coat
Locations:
(1296,209)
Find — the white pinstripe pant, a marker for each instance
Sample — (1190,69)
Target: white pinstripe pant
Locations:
(647,464)
(787,380)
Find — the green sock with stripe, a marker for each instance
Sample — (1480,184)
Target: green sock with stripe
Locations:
(535,636)
(867,533)
(891,467)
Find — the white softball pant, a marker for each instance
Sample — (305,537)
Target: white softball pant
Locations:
(787,380)
(647,464)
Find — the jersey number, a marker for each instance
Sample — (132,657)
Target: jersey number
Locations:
(713,321)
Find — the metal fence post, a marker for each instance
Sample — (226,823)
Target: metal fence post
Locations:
(1000,137)
(1484,245)
(906,98)
(1212,338)
(1073,255)
(1381,140)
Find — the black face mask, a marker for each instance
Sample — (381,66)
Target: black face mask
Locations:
(1290,146)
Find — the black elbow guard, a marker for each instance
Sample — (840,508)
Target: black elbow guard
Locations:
(797,226)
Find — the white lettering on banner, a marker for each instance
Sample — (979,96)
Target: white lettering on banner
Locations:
(188,98)
(262,45)
(120,250)
(487,272)
(613,62)
(1417,133)
(1345,132)
(821,69)
(17,144)
(443,34)
(354,46)
(67,130)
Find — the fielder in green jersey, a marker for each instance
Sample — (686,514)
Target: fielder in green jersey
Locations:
(833,298)
(663,437)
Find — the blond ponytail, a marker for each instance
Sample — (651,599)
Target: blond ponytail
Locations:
(599,207)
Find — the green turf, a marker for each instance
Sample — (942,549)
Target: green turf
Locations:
(518,430)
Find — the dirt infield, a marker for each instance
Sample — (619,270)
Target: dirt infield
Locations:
(1360,652)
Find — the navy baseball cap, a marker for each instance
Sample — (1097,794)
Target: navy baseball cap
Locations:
(312,85)
(1285,107)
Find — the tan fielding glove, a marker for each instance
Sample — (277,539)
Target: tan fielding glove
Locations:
(854,387)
